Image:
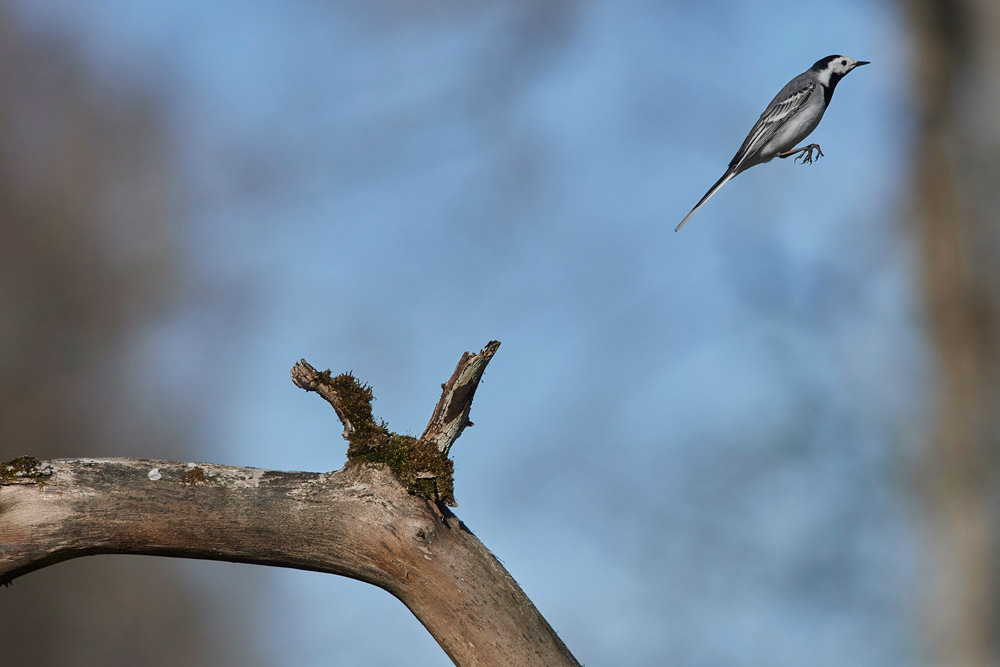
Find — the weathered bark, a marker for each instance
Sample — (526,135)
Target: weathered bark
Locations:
(360,522)
(451,415)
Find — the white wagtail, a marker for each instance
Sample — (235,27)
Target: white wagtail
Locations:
(788,119)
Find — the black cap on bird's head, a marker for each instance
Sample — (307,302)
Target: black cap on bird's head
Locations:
(842,67)
(830,70)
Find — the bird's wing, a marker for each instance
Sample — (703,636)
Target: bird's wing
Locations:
(781,108)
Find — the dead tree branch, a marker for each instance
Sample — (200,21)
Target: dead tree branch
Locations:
(451,415)
(380,519)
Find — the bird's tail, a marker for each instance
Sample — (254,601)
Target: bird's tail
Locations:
(708,195)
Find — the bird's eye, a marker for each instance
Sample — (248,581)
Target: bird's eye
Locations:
(843,63)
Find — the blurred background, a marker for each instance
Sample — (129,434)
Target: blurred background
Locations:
(769,439)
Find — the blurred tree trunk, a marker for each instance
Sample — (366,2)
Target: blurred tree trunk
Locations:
(956,215)
(85,264)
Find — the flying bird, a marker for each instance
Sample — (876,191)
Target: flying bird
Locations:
(793,113)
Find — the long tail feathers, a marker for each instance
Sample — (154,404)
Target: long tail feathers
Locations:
(708,195)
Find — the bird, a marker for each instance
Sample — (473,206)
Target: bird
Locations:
(793,113)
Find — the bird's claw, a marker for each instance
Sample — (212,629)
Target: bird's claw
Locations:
(806,153)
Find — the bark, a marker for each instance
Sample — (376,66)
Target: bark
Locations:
(360,522)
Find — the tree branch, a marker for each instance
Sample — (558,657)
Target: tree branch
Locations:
(451,414)
(360,522)
(421,464)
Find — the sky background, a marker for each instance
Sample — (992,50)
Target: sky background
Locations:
(691,448)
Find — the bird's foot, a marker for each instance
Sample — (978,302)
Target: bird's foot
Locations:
(805,153)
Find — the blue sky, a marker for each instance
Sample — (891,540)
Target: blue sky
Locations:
(689,445)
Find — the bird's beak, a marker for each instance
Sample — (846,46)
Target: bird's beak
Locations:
(859,63)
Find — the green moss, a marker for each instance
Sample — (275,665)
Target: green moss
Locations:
(417,464)
(194,475)
(23,470)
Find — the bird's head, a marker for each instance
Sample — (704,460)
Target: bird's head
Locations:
(832,69)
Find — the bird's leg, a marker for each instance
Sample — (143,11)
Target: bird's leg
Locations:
(805,153)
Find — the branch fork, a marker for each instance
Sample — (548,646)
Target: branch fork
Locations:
(421,464)
(358,522)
